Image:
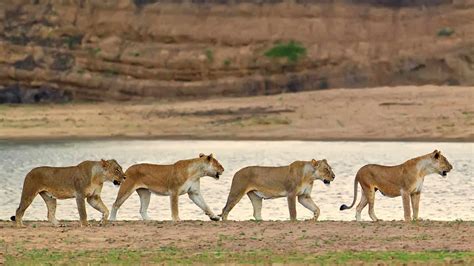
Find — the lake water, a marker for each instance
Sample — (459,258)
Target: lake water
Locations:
(442,198)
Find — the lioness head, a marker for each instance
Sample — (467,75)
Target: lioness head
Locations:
(440,164)
(113,171)
(214,168)
(322,171)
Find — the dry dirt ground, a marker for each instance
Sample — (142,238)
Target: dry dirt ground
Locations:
(188,239)
(388,113)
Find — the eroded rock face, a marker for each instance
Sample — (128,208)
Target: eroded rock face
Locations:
(130,49)
(25,94)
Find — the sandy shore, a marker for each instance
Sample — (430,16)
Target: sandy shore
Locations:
(389,113)
(308,239)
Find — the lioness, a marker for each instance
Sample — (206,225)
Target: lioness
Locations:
(405,179)
(169,180)
(83,181)
(294,180)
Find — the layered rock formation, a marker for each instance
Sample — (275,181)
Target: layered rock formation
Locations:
(134,49)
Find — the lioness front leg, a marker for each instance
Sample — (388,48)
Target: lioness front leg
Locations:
(197,198)
(292,206)
(309,204)
(415,203)
(406,206)
(174,206)
(96,202)
(81,207)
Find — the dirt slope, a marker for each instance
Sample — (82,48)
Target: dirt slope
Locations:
(124,49)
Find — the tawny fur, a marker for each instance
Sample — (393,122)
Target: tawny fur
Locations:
(292,181)
(169,180)
(83,181)
(404,180)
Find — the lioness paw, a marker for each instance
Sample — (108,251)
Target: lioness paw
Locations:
(85,224)
(215,218)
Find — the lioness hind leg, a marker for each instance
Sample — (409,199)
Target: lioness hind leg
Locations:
(27,197)
(309,204)
(144,195)
(232,200)
(126,189)
(370,194)
(257,205)
(363,202)
(51,205)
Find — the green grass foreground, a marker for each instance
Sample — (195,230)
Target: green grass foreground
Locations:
(168,255)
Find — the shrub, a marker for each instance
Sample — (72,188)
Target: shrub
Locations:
(292,50)
(445,32)
(227,62)
(209,55)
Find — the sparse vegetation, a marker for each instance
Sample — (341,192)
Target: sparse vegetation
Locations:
(111,72)
(292,51)
(172,255)
(135,54)
(445,32)
(209,55)
(93,51)
(73,41)
(227,62)
(269,120)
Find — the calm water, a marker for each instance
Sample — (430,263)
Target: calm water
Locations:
(442,199)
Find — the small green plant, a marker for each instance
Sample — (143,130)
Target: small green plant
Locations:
(111,72)
(292,50)
(209,55)
(227,62)
(135,54)
(73,41)
(93,51)
(445,32)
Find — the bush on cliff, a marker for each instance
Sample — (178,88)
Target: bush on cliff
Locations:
(292,50)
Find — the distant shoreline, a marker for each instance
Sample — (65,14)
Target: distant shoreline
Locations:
(405,113)
(220,138)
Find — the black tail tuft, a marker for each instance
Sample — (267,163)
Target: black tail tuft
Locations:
(343,207)
(13,218)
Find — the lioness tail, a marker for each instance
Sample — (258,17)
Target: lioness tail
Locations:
(344,206)
(13,218)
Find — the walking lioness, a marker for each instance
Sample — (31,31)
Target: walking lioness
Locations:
(83,181)
(405,179)
(169,180)
(294,180)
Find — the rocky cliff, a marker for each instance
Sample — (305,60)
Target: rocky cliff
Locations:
(133,49)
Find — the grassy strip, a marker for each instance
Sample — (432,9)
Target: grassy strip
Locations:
(169,255)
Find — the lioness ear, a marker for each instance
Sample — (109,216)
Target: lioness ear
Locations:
(324,161)
(103,162)
(436,154)
(201,155)
(314,162)
(211,155)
